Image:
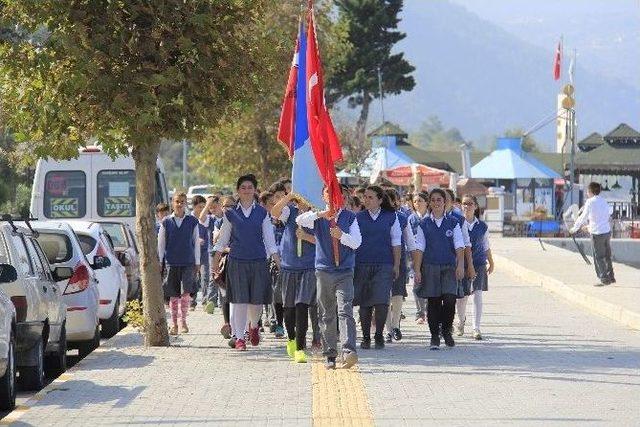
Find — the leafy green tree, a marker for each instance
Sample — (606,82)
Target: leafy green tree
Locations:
(128,73)
(244,140)
(529,144)
(371,29)
(433,136)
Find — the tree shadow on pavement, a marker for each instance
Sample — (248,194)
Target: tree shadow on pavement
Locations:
(115,359)
(75,394)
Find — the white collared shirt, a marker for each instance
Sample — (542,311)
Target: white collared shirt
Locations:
(458,241)
(352,239)
(268,236)
(596,212)
(162,239)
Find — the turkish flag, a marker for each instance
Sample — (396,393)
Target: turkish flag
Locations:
(556,62)
(324,140)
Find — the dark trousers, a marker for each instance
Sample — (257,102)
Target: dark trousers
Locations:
(441,310)
(602,255)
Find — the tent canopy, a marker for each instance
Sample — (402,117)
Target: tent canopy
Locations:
(508,161)
(403,175)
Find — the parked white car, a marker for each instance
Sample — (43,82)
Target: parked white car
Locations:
(7,344)
(80,291)
(203,190)
(126,248)
(112,278)
(40,311)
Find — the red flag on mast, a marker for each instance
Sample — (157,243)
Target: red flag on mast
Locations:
(324,140)
(556,62)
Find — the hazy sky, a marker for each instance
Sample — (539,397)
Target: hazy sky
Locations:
(606,33)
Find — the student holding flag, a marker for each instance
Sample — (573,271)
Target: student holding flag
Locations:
(335,278)
(298,280)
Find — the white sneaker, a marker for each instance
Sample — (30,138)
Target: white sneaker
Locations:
(477,335)
(459,329)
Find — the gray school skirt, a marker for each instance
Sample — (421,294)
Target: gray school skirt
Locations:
(298,287)
(179,280)
(437,280)
(480,283)
(399,286)
(248,282)
(372,284)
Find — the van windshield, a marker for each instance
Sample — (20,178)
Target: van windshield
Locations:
(65,194)
(116,193)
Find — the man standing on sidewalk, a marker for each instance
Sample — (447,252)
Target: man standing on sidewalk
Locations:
(596,212)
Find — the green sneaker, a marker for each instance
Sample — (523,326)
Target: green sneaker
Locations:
(300,356)
(209,308)
(291,348)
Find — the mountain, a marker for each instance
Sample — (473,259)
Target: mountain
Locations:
(483,79)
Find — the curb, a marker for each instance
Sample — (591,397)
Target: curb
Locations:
(54,385)
(594,304)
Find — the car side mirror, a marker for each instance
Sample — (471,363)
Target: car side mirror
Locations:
(8,273)
(100,262)
(62,273)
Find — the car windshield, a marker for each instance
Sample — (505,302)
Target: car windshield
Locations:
(87,243)
(57,247)
(116,232)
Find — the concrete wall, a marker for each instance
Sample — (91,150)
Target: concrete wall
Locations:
(626,251)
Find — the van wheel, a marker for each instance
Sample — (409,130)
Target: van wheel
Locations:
(32,377)
(8,380)
(86,347)
(111,326)
(57,362)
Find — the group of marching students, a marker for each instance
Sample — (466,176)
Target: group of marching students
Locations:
(269,253)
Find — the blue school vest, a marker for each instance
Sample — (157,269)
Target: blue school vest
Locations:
(247,241)
(179,250)
(376,238)
(289,251)
(202,233)
(324,244)
(439,249)
(478,251)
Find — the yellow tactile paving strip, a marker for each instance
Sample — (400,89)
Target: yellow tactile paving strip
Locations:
(339,397)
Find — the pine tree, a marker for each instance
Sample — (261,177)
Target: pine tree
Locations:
(371,27)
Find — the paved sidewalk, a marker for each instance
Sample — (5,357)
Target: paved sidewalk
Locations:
(565,273)
(543,362)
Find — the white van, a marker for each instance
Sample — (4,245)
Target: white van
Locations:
(92,187)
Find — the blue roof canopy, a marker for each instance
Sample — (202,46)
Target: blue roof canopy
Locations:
(509,161)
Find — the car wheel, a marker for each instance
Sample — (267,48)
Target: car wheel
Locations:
(8,380)
(111,326)
(86,347)
(57,362)
(32,377)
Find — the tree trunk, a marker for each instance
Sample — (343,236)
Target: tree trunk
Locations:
(155,324)
(263,143)
(361,125)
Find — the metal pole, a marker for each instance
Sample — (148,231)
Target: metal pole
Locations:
(184,164)
(572,171)
(381,93)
